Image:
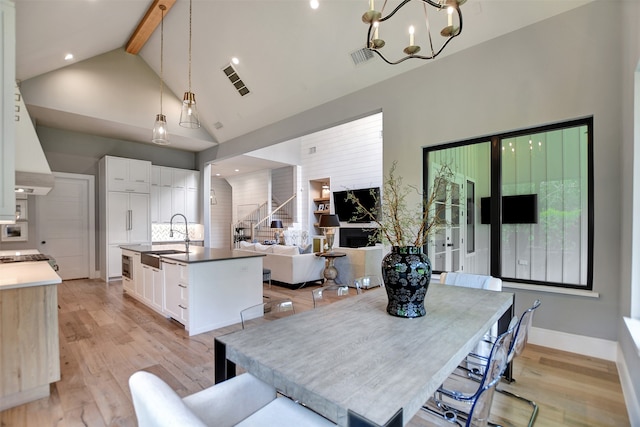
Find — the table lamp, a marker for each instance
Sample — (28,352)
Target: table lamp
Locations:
(329,223)
(277,224)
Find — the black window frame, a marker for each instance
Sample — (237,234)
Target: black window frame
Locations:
(495,263)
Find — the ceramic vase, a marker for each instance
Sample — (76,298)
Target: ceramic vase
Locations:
(406,273)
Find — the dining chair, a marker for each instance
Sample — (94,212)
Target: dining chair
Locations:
(268,310)
(464,402)
(331,293)
(518,343)
(240,401)
(368,282)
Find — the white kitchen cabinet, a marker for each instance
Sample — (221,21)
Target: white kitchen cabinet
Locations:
(155,194)
(138,275)
(7,111)
(153,287)
(176,291)
(124,215)
(176,192)
(128,218)
(128,175)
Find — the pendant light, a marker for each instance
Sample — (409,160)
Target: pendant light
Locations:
(189,114)
(160,135)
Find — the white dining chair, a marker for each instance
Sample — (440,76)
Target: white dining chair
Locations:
(243,401)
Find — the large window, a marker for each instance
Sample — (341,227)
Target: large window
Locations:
(528,211)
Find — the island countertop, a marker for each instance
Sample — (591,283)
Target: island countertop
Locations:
(196,253)
(25,274)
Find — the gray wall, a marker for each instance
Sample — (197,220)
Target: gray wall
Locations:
(566,67)
(559,69)
(74,152)
(630,153)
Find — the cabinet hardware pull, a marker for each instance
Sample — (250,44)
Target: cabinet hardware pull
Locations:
(182,306)
(182,286)
(170,263)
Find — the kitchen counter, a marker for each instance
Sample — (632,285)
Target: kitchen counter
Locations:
(204,289)
(29,347)
(26,274)
(196,253)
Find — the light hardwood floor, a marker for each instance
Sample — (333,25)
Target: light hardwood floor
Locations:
(105,337)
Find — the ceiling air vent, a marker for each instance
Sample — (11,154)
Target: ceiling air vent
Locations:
(361,56)
(235,80)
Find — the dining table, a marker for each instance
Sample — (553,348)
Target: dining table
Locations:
(357,365)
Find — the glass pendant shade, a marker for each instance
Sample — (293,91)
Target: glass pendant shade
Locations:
(189,116)
(160,134)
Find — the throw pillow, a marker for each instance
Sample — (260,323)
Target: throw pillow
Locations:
(304,249)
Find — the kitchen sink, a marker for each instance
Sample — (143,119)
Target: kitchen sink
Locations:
(167,252)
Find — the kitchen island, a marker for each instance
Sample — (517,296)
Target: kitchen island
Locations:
(203,289)
(29,347)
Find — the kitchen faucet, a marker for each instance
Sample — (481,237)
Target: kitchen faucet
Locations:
(186,230)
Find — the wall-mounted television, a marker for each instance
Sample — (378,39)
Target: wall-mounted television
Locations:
(521,209)
(346,209)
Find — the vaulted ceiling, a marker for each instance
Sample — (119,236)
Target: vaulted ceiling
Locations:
(292,58)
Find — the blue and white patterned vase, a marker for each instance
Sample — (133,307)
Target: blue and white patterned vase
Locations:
(406,273)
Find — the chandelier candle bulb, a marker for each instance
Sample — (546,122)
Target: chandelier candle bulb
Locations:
(371,5)
(450,16)
(411,35)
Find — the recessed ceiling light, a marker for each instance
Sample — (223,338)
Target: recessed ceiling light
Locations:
(237,170)
(235,60)
(217,174)
(314,4)
(68,57)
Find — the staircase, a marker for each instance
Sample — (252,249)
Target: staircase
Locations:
(256,225)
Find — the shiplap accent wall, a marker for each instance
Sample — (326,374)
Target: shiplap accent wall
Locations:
(350,155)
(250,190)
(282,183)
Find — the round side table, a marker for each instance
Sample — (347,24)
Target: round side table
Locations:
(330,272)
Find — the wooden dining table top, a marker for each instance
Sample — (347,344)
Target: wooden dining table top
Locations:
(351,359)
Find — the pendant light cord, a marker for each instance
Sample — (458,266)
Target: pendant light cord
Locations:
(189,45)
(162,8)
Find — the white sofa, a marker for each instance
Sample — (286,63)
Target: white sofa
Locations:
(287,264)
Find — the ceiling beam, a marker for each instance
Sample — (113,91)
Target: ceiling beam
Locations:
(147,25)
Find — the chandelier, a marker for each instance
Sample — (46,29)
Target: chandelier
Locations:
(379,26)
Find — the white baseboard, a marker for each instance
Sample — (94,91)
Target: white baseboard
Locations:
(593,347)
(630,399)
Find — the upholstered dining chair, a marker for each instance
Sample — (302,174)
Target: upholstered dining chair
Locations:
(331,293)
(464,402)
(240,401)
(268,310)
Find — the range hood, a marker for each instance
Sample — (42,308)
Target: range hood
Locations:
(33,174)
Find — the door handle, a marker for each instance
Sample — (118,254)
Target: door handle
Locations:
(449,244)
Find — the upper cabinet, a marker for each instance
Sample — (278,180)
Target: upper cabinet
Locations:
(174,191)
(128,175)
(7,111)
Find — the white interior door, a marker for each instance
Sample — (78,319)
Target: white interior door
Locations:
(65,225)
